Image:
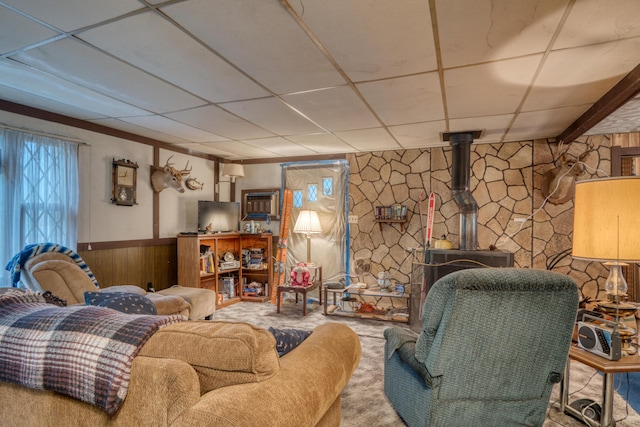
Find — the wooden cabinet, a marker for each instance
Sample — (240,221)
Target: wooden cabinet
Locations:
(227,264)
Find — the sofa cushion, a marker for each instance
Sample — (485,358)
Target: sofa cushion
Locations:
(222,353)
(121,301)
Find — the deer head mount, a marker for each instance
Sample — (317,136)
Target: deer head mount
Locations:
(559,182)
(168,177)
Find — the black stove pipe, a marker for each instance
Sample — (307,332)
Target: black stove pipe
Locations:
(460,187)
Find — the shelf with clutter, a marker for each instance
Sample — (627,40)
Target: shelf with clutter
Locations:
(396,213)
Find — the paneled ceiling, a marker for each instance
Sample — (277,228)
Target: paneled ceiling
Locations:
(261,79)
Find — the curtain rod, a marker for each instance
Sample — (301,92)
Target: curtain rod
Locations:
(48,135)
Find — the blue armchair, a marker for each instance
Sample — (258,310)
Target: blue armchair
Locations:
(494,342)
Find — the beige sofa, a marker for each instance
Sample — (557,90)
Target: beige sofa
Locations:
(208,373)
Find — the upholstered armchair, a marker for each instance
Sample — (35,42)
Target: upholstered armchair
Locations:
(494,342)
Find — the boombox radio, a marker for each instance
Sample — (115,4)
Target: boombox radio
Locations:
(600,337)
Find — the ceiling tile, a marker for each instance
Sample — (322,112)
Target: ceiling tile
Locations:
(591,21)
(216,120)
(273,49)
(543,124)
(323,143)
(190,65)
(69,15)
(17,31)
(204,148)
(172,127)
(241,150)
(582,75)
(88,67)
(139,130)
(377,139)
(391,38)
(36,101)
(405,100)
(280,146)
(493,127)
(419,135)
(482,31)
(334,109)
(272,114)
(45,85)
(489,89)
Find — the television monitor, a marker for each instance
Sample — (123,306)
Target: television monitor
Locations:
(218,217)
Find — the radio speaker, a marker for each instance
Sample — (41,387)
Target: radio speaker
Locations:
(600,339)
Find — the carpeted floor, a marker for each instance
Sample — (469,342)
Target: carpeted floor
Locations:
(363,400)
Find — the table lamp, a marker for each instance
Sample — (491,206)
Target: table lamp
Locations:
(308,223)
(606,227)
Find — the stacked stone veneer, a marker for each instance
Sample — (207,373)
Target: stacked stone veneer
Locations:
(506,181)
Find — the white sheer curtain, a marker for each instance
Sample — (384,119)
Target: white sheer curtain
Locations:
(38,193)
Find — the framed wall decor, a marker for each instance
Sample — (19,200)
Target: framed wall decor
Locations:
(125,180)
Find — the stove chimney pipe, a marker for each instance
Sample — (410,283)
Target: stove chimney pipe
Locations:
(460,188)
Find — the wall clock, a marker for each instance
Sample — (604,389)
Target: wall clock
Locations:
(125,180)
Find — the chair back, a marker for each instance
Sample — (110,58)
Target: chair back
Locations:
(494,334)
(59,274)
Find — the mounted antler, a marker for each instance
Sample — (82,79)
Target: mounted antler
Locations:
(168,176)
(559,182)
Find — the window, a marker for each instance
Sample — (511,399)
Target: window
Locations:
(38,193)
(327,186)
(312,192)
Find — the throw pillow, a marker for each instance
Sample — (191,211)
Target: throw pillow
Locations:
(288,339)
(121,301)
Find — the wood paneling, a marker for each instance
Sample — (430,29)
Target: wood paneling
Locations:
(134,266)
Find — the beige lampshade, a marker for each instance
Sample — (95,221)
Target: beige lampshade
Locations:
(606,220)
(307,223)
(233,170)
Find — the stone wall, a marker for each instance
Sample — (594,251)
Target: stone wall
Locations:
(507,182)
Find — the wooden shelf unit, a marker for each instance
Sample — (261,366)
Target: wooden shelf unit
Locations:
(190,268)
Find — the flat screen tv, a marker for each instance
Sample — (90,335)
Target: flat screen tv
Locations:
(218,217)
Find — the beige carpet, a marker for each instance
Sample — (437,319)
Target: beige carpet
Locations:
(363,400)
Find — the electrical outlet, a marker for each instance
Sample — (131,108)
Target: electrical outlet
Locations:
(353,219)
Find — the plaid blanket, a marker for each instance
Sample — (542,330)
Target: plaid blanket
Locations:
(82,351)
(14,266)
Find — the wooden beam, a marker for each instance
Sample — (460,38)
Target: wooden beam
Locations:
(623,91)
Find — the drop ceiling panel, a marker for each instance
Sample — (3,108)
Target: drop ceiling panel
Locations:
(377,139)
(592,22)
(73,14)
(281,147)
(90,68)
(241,150)
(375,40)
(405,99)
(189,65)
(543,124)
(220,122)
(482,31)
(45,85)
(419,135)
(493,127)
(272,114)
(626,117)
(172,127)
(489,89)
(139,130)
(17,31)
(335,109)
(562,82)
(203,148)
(36,101)
(323,143)
(273,49)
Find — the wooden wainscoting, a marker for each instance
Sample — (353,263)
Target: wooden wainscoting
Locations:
(134,266)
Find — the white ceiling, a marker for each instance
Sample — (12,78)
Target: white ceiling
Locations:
(247,79)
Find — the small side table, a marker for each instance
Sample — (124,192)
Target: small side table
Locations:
(316,281)
(608,368)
